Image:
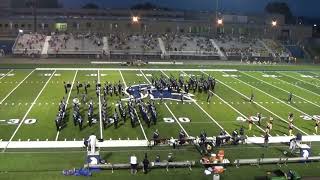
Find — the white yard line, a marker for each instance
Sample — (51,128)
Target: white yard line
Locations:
(145,77)
(165,74)
(298,79)
(16,87)
(125,85)
(124,82)
(315,74)
(167,107)
(235,108)
(6,74)
(74,78)
(143,132)
(25,116)
(273,97)
(134,69)
(100,113)
(175,118)
(260,105)
(299,87)
(212,119)
(280,88)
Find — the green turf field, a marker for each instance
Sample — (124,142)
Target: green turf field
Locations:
(29,100)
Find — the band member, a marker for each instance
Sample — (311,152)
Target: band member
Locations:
(156,137)
(251,97)
(290,97)
(210,94)
(182,137)
(259,118)
(78,86)
(290,128)
(290,117)
(65,87)
(270,122)
(250,121)
(268,128)
(317,125)
(86,88)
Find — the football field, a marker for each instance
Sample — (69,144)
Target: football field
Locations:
(29,100)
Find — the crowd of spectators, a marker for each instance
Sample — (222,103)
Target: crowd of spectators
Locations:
(28,44)
(241,46)
(70,43)
(188,43)
(278,50)
(131,42)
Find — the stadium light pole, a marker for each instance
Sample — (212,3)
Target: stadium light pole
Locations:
(33,4)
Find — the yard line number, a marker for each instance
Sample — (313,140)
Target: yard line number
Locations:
(180,119)
(17,121)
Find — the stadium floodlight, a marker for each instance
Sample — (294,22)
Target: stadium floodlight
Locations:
(315,25)
(135,19)
(274,23)
(220,21)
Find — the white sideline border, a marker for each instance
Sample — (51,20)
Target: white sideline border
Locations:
(132,143)
(132,69)
(30,108)
(68,98)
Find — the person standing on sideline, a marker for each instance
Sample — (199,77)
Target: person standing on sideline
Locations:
(134,164)
(145,164)
(266,140)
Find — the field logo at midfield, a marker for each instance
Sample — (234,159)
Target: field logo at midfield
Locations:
(142,91)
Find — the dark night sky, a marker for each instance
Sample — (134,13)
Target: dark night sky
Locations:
(308,8)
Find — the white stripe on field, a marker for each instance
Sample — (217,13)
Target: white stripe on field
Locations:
(235,108)
(279,88)
(16,87)
(25,116)
(74,78)
(100,113)
(259,104)
(6,74)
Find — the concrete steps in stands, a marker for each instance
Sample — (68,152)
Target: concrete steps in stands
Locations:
(162,47)
(221,54)
(44,51)
(106,46)
(267,48)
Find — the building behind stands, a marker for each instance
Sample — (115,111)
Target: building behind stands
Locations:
(106,22)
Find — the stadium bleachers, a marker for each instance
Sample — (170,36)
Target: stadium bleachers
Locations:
(241,47)
(89,43)
(27,44)
(151,46)
(133,44)
(278,50)
(187,44)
